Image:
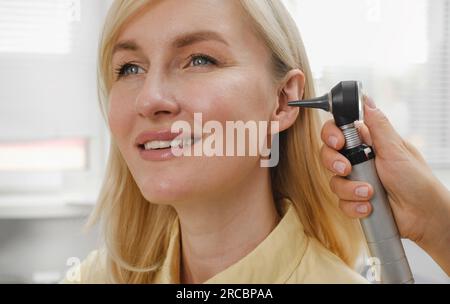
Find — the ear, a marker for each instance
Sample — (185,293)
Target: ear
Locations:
(291,88)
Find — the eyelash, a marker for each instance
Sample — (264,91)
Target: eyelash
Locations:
(120,72)
(208,58)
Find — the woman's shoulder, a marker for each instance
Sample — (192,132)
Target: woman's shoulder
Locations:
(319,265)
(92,270)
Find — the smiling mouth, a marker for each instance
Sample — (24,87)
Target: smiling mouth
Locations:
(168,144)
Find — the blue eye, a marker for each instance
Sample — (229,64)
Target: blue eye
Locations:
(199,60)
(128,69)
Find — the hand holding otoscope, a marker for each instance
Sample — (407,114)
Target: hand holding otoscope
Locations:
(420,203)
(345,102)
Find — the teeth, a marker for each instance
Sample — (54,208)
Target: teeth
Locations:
(157,144)
(162,144)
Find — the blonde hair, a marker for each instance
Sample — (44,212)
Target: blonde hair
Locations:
(137,231)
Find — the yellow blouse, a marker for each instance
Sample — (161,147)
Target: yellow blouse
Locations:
(287,255)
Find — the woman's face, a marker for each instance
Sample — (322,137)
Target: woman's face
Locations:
(177,58)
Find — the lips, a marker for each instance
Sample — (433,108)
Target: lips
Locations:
(145,137)
(163,140)
(154,138)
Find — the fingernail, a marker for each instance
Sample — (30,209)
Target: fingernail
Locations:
(363,209)
(339,167)
(332,141)
(370,103)
(362,191)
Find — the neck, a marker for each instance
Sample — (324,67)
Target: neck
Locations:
(216,235)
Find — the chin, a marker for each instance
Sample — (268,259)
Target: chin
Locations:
(165,192)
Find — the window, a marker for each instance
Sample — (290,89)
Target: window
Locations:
(52,135)
(37,26)
(399,49)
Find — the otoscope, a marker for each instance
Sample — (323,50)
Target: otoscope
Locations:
(345,102)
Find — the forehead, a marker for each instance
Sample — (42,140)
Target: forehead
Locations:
(161,21)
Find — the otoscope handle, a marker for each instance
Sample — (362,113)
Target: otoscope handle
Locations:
(380,229)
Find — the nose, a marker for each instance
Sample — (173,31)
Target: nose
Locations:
(155,99)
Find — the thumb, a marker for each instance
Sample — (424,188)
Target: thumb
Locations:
(381,130)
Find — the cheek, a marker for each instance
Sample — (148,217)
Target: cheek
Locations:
(120,113)
(240,96)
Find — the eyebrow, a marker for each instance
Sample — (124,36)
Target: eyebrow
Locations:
(179,42)
(191,38)
(128,45)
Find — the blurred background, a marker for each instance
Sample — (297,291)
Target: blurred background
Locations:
(53,140)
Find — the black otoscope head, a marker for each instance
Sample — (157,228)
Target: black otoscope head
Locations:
(345,102)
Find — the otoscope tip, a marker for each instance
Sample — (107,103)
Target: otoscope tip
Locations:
(317,103)
(297,103)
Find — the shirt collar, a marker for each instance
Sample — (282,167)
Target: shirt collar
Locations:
(272,261)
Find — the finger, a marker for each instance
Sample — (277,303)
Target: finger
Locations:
(381,130)
(365,134)
(350,190)
(355,209)
(335,161)
(332,136)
